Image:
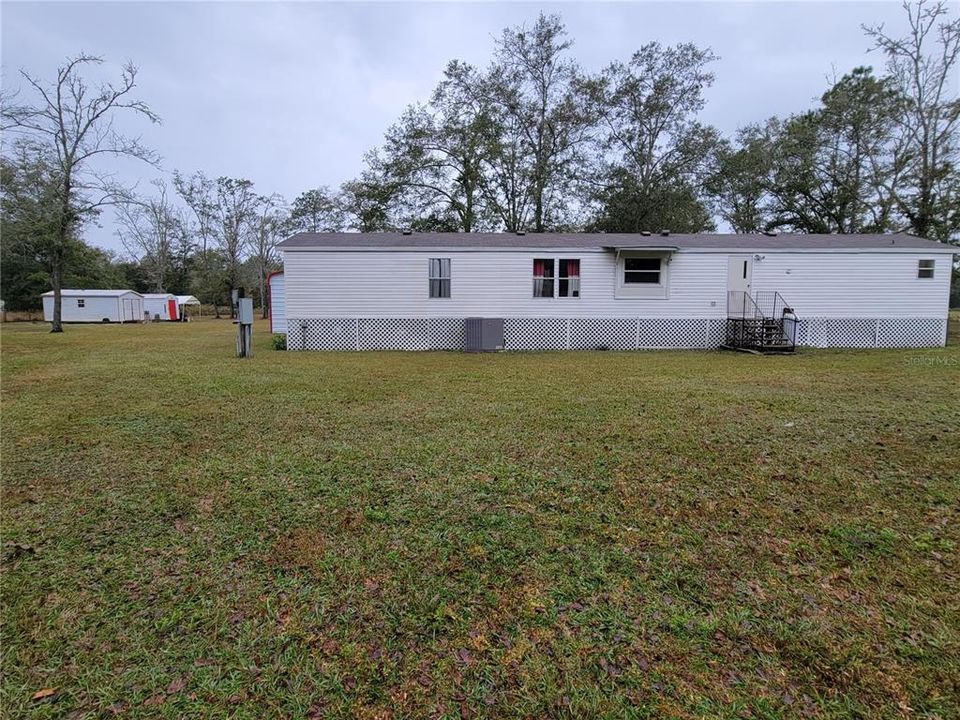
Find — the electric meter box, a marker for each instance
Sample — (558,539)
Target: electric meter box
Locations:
(245,311)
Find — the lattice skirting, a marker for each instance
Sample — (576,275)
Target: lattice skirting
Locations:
(611,333)
(519,333)
(871,332)
(376,334)
(598,333)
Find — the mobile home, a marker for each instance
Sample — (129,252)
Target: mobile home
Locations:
(417,291)
(86,306)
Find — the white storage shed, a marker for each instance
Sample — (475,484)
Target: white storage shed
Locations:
(87,306)
(161,306)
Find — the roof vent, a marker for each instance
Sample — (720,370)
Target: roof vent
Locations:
(408,232)
(665,233)
(521,232)
(645,233)
(771,233)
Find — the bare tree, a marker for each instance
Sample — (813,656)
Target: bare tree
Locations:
(546,125)
(152,229)
(77,123)
(223,212)
(197,191)
(234,211)
(924,66)
(267,229)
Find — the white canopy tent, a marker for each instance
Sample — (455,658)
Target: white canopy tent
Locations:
(189,300)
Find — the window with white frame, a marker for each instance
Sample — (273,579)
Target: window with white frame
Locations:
(641,271)
(439,274)
(641,276)
(81,302)
(568,282)
(556,277)
(925,269)
(543,277)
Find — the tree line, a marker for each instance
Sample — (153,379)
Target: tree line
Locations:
(531,142)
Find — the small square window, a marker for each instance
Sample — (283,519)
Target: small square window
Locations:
(925,268)
(439,277)
(81,302)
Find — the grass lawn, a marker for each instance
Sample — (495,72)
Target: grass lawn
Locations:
(659,534)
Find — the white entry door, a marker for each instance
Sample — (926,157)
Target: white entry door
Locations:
(740,273)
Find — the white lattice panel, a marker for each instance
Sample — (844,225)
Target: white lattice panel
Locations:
(534,334)
(603,334)
(841,332)
(718,333)
(294,336)
(322,334)
(376,334)
(447,334)
(910,332)
(394,334)
(672,333)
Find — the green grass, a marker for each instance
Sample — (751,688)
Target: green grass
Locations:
(662,534)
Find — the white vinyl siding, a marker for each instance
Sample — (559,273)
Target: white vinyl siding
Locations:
(489,284)
(852,284)
(497,283)
(278,315)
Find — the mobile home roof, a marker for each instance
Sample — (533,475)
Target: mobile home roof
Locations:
(696,241)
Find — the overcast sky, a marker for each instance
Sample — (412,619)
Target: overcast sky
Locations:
(290,95)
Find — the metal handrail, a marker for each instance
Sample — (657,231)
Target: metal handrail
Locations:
(771,304)
(752,321)
(740,305)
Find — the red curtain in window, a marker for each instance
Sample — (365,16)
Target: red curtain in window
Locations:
(539,266)
(573,268)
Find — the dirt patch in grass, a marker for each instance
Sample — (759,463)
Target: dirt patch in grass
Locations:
(300,550)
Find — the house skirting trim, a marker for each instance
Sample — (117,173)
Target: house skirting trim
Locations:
(353,334)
